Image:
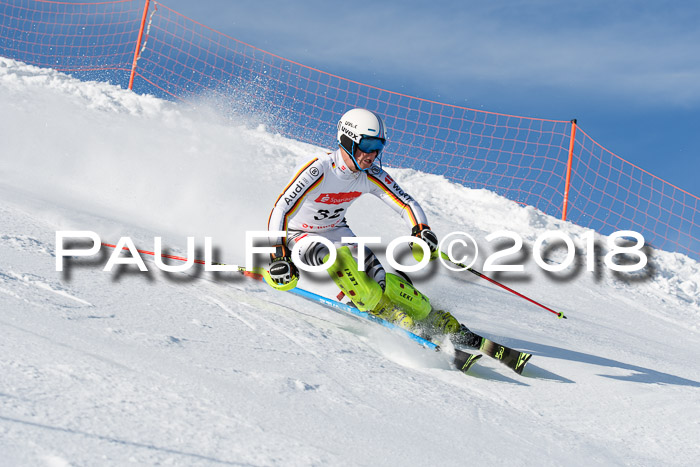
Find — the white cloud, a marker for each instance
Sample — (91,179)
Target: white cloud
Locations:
(646,54)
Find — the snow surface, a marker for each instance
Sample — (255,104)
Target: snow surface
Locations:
(101,368)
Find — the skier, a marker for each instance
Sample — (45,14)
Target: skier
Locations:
(314,204)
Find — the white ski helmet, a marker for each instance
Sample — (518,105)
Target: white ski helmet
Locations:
(363,129)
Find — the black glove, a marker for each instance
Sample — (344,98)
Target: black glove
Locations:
(423,232)
(282,269)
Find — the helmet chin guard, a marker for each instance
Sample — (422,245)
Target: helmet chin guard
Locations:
(364,129)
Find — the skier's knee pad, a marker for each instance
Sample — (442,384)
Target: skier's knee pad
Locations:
(406,297)
(364,292)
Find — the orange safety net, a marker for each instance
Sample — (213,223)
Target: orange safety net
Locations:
(521,158)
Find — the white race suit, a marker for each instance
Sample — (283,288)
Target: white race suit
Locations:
(316,199)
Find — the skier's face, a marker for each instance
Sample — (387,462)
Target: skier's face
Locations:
(365,159)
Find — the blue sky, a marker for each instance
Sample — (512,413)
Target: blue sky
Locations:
(629,71)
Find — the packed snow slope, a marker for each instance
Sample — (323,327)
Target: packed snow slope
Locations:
(197,368)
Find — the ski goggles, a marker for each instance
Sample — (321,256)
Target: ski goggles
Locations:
(370,144)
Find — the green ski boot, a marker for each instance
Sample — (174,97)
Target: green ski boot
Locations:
(401,303)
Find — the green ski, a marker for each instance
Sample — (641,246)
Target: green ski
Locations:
(513,359)
(463,360)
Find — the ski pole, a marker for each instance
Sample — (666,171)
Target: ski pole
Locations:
(493,281)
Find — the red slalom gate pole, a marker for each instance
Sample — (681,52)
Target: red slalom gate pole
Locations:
(493,281)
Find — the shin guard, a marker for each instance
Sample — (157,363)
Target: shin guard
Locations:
(364,292)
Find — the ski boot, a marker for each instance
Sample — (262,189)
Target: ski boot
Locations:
(464,337)
(401,303)
(388,311)
(440,324)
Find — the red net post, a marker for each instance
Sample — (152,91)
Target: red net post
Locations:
(137,51)
(567,183)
